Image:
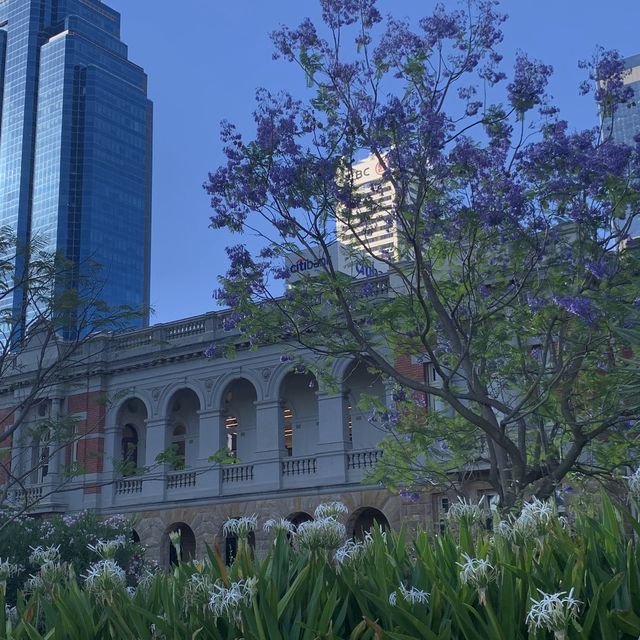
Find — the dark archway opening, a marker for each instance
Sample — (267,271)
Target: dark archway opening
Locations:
(187,543)
(365,519)
(231,547)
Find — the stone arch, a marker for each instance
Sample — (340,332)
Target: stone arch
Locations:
(280,372)
(358,384)
(131,434)
(363,520)
(238,418)
(164,402)
(298,517)
(187,544)
(217,394)
(141,395)
(340,367)
(299,415)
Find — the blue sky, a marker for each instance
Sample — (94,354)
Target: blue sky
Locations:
(205,59)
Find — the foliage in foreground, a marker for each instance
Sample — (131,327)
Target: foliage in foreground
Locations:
(71,535)
(535,576)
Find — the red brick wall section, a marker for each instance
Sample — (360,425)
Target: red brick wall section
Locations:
(90,449)
(93,405)
(407,368)
(90,454)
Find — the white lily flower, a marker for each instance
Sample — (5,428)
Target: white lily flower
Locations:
(412,596)
(44,555)
(479,573)
(240,527)
(553,612)
(330,510)
(324,533)
(281,525)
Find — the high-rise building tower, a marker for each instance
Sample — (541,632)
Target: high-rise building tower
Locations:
(75,141)
(371,226)
(626,120)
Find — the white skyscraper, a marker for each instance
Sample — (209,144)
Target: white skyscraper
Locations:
(371,225)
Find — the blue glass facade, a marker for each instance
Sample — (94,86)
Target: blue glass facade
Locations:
(626,120)
(75,141)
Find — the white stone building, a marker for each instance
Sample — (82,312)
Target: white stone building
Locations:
(297,443)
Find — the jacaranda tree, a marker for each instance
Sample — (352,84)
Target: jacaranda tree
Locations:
(514,280)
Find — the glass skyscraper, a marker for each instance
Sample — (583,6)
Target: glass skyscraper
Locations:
(626,120)
(75,141)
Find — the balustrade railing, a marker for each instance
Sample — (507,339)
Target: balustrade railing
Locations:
(184,329)
(138,339)
(363,459)
(237,473)
(28,495)
(299,467)
(128,486)
(181,479)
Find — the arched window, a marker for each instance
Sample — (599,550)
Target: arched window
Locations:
(299,412)
(178,441)
(129,447)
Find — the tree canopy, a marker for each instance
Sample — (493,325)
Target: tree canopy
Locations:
(42,355)
(513,280)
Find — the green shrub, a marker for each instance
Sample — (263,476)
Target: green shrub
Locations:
(71,534)
(535,576)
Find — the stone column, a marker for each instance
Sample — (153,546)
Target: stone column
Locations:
(211,439)
(332,437)
(156,442)
(269,445)
(57,447)
(112,455)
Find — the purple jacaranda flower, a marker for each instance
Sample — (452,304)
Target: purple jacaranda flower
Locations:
(285,358)
(281,273)
(411,496)
(530,80)
(230,322)
(367,290)
(536,303)
(339,13)
(602,365)
(386,420)
(601,268)
(577,305)
(399,395)
(210,351)
(607,74)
